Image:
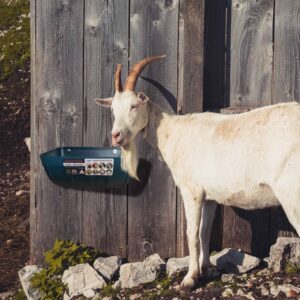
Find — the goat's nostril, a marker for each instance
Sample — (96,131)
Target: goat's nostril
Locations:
(115,135)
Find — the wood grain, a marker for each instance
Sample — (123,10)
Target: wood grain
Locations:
(104,214)
(190,85)
(251,52)
(152,211)
(286,51)
(57,96)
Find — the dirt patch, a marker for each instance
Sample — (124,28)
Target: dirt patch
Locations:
(14,176)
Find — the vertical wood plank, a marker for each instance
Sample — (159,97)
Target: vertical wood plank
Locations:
(251,58)
(57,118)
(191,51)
(287,51)
(33,154)
(247,230)
(214,54)
(214,77)
(152,213)
(251,54)
(106,45)
(286,83)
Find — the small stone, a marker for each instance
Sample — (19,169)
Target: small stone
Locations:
(134,274)
(20,192)
(264,272)
(80,279)
(291,294)
(7,295)
(25,275)
(227,293)
(233,261)
(240,292)
(199,290)
(177,265)
(284,288)
(250,296)
(264,291)
(225,278)
(135,296)
(158,286)
(249,284)
(8,242)
(285,250)
(176,287)
(107,266)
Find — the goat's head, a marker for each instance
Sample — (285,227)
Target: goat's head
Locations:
(128,107)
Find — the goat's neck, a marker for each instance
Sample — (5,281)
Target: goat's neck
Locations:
(158,127)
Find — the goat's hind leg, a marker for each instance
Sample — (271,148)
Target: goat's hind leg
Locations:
(207,218)
(192,206)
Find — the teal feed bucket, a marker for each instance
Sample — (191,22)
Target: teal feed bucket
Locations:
(85,167)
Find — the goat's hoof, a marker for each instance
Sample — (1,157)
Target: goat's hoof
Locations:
(188,282)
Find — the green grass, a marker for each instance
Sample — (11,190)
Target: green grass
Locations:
(292,269)
(109,291)
(14,36)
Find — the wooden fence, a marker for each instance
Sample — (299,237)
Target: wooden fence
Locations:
(219,53)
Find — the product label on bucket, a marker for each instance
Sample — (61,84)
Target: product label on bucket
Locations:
(89,166)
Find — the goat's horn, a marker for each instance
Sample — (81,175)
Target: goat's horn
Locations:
(136,70)
(118,80)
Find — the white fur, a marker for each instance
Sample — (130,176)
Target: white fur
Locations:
(250,160)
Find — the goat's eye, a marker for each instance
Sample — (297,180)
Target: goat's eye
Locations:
(133,107)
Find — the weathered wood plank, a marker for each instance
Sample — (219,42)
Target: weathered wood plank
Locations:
(214,54)
(247,230)
(286,83)
(286,51)
(33,154)
(190,74)
(106,44)
(251,54)
(152,213)
(56,118)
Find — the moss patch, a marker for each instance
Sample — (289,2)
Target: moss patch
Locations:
(14,36)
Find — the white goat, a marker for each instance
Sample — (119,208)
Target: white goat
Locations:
(250,160)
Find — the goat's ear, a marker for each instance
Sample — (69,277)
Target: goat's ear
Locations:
(142,97)
(104,102)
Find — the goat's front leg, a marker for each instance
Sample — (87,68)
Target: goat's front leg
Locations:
(207,218)
(192,206)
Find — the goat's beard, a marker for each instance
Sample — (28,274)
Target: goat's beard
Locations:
(129,159)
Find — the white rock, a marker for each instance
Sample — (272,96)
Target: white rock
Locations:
(286,249)
(233,261)
(240,292)
(264,291)
(25,274)
(285,288)
(250,296)
(7,295)
(225,278)
(20,192)
(107,266)
(227,293)
(133,274)
(28,143)
(82,279)
(177,265)
(135,296)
